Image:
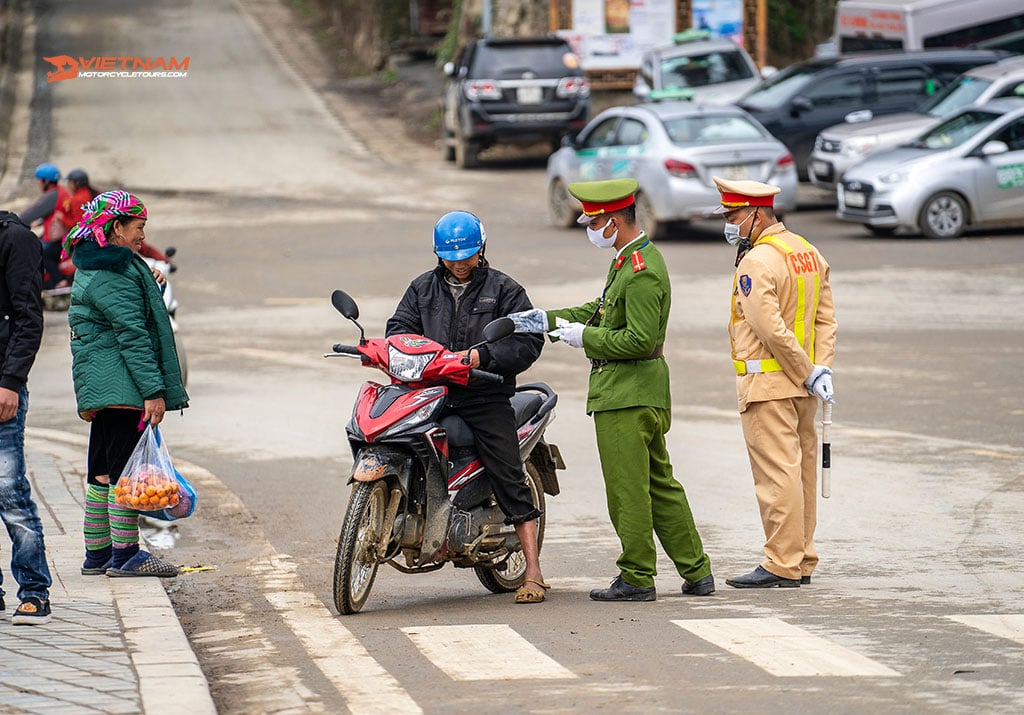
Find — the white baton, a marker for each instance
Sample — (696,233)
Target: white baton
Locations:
(826,450)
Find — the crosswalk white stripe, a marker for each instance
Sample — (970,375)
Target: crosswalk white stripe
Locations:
(365,685)
(484,652)
(783,649)
(1009,626)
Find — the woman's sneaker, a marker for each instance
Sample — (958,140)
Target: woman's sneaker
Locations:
(144,564)
(32,611)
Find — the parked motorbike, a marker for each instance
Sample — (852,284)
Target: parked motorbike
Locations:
(420,497)
(171,303)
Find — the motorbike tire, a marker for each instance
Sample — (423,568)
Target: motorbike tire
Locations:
(355,565)
(513,574)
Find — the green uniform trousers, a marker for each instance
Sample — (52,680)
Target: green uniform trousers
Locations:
(644,498)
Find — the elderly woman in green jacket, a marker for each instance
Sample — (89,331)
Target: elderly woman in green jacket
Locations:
(125,371)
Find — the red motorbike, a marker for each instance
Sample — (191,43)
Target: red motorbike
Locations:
(421,498)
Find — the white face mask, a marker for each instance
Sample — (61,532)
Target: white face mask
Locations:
(732,231)
(597,238)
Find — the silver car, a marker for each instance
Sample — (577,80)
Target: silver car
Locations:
(672,149)
(839,147)
(968,171)
(717,71)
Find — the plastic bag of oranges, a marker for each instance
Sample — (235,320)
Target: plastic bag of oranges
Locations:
(150,483)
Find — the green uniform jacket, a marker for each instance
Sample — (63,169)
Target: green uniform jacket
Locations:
(630,325)
(122,346)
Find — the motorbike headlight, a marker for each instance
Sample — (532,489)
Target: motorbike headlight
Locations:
(894,177)
(421,415)
(858,146)
(407,367)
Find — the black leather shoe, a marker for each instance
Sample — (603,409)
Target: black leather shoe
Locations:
(761,578)
(703,587)
(622,591)
(804,580)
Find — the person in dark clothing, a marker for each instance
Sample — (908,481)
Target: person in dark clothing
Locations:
(451,304)
(51,211)
(21,331)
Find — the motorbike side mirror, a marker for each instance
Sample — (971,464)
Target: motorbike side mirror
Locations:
(345,305)
(499,329)
(170,251)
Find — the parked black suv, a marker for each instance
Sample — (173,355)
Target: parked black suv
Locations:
(805,98)
(511,91)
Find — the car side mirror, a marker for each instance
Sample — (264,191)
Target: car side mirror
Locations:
(800,104)
(994,147)
(768,70)
(863,115)
(569,141)
(449,69)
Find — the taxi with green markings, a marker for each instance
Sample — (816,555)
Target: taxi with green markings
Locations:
(966,172)
(672,147)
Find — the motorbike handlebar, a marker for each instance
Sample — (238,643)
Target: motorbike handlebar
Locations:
(346,349)
(485,376)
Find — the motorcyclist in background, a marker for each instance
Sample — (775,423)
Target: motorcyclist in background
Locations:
(52,210)
(451,304)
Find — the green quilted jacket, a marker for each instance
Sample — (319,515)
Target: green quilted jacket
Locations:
(122,346)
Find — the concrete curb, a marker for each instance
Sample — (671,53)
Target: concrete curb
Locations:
(170,679)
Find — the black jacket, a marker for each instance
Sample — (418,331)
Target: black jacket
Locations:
(428,309)
(21,301)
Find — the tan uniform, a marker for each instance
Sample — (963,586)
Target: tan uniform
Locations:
(782,323)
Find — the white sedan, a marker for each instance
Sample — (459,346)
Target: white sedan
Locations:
(673,149)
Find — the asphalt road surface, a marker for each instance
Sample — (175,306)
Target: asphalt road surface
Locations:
(277,190)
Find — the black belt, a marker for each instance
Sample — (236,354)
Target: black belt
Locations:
(658,351)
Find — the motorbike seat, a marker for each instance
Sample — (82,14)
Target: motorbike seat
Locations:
(526,405)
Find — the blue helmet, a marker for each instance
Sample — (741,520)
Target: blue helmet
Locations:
(458,235)
(48,172)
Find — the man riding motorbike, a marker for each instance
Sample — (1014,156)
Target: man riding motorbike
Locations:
(52,209)
(451,304)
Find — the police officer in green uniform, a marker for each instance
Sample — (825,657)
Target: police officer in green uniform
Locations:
(623,333)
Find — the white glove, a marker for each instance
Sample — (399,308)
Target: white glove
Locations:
(819,383)
(571,334)
(534,320)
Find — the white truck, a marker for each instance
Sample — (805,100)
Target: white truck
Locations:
(871,25)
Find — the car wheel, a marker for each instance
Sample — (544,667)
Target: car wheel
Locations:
(647,219)
(881,231)
(562,207)
(466,153)
(447,145)
(944,215)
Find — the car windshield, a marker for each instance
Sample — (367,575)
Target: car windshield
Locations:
(545,61)
(955,131)
(702,70)
(711,129)
(780,87)
(956,96)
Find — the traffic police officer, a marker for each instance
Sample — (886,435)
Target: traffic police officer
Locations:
(782,330)
(623,334)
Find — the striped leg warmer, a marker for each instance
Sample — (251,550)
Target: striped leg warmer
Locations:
(97,526)
(124,531)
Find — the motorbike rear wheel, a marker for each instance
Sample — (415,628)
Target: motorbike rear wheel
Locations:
(355,565)
(511,575)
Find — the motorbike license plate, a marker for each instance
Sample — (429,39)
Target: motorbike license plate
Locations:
(529,95)
(855,199)
(736,172)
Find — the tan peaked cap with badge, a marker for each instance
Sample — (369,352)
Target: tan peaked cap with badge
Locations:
(737,194)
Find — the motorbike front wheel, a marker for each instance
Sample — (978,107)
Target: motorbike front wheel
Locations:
(510,575)
(356,563)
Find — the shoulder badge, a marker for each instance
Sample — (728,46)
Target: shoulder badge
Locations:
(745,284)
(638,262)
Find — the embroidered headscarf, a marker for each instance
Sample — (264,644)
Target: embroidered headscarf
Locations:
(97,216)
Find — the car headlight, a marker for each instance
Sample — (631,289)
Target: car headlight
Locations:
(407,367)
(894,177)
(858,146)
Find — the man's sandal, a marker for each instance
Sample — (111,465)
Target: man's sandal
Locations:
(531,594)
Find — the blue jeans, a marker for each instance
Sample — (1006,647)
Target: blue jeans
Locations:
(28,558)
